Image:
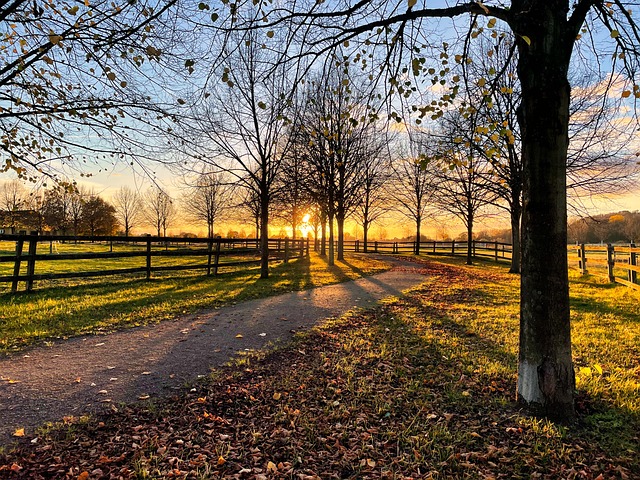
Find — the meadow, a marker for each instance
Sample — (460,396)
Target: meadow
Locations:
(422,386)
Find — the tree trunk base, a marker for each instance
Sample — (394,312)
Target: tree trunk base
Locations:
(541,387)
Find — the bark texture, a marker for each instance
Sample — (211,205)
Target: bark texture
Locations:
(546,379)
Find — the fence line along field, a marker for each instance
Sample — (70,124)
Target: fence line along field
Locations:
(30,258)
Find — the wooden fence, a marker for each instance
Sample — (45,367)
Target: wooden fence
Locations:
(237,252)
(495,250)
(616,263)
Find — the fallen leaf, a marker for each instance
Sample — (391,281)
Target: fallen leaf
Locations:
(221,460)
(276,396)
(19,432)
(143,397)
(239,336)
(271,467)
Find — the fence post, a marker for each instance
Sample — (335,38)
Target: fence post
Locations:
(453,247)
(357,246)
(31,260)
(610,263)
(375,246)
(582,259)
(148,257)
(633,261)
(209,254)
(434,247)
(307,246)
(216,260)
(16,266)
(111,245)
(286,250)
(473,246)
(495,251)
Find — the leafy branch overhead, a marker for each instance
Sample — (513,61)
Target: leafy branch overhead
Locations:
(69,76)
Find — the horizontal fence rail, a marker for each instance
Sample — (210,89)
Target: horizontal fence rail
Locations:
(200,253)
(616,263)
(494,250)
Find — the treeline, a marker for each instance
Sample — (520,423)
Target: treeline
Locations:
(606,228)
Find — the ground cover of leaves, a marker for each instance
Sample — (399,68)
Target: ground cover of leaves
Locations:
(421,387)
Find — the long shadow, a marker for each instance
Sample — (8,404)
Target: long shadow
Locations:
(599,422)
(584,304)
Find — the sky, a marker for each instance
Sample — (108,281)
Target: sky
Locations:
(107,182)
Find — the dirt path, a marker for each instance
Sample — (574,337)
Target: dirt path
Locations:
(91,373)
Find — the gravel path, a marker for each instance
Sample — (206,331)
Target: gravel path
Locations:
(91,373)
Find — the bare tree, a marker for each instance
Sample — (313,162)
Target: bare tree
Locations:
(374,200)
(462,179)
(159,211)
(14,198)
(129,208)
(412,188)
(206,200)
(243,128)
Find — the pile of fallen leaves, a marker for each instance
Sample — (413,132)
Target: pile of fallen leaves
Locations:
(390,393)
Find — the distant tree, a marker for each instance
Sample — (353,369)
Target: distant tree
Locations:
(374,199)
(14,198)
(56,209)
(291,196)
(98,216)
(206,200)
(76,199)
(412,188)
(159,211)
(129,206)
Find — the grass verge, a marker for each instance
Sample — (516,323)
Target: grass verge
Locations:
(101,307)
(421,387)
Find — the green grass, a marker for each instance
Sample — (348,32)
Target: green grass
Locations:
(108,304)
(46,266)
(421,387)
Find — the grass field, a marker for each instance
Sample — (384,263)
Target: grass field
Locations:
(104,264)
(103,305)
(421,387)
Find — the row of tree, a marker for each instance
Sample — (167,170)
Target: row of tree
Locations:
(72,72)
(607,228)
(78,211)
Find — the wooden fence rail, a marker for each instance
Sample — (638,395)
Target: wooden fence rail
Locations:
(238,252)
(607,261)
(495,250)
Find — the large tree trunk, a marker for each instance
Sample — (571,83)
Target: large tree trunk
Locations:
(264,237)
(331,259)
(365,235)
(323,245)
(546,378)
(340,221)
(470,240)
(418,234)
(516,214)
